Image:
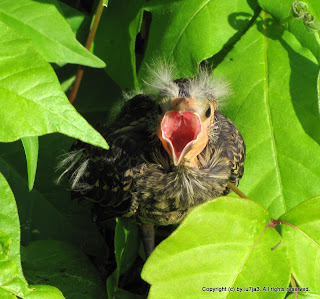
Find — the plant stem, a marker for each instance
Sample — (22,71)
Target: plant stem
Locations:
(294,285)
(272,223)
(236,190)
(76,84)
(89,42)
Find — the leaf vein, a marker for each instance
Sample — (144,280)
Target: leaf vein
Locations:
(269,117)
(186,25)
(248,255)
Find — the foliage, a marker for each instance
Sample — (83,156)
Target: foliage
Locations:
(269,57)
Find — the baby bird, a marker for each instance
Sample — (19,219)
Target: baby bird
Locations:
(170,150)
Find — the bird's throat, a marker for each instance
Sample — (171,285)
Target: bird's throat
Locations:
(179,132)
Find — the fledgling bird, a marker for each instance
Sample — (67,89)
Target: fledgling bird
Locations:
(170,150)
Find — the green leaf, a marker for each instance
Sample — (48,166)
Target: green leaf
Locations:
(44,291)
(31,149)
(302,239)
(47,212)
(189,33)
(31,100)
(9,224)
(225,242)
(281,9)
(112,284)
(126,245)
(53,39)
(10,283)
(275,107)
(12,280)
(64,266)
(117,47)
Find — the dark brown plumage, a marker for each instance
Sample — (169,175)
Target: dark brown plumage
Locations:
(138,176)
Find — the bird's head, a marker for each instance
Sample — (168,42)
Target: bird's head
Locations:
(186,109)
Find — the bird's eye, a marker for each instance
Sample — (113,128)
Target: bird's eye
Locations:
(208,112)
(159,109)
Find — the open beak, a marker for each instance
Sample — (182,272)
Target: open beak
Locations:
(179,131)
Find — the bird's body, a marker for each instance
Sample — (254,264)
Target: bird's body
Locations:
(147,177)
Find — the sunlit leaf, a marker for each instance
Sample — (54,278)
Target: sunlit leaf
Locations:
(31,100)
(53,39)
(281,10)
(302,238)
(275,107)
(225,243)
(189,33)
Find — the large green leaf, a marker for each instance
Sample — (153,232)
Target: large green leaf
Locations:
(31,100)
(190,32)
(226,242)
(51,34)
(115,40)
(281,9)
(12,280)
(275,107)
(302,239)
(9,222)
(64,266)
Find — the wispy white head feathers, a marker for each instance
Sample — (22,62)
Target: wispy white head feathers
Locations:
(161,81)
(204,85)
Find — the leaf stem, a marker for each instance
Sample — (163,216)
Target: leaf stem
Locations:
(89,42)
(272,223)
(294,285)
(235,189)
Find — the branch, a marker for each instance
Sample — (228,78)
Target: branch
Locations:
(90,39)
(235,189)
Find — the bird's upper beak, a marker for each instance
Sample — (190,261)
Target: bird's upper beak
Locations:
(178,132)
